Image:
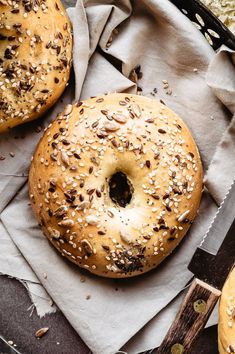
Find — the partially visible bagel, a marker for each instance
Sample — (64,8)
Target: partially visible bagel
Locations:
(35,58)
(226,327)
(115,183)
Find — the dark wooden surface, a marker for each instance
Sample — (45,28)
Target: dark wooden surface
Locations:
(17,325)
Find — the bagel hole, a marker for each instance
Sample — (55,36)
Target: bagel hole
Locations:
(120,189)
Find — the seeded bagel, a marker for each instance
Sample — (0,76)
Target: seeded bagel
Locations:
(115,183)
(35,58)
(226,327)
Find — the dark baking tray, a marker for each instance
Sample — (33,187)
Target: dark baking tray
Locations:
(206,20)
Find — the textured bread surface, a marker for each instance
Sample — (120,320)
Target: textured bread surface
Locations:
(226,327)
(125,225)
(35,58)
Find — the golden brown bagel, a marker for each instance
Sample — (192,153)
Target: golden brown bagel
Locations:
(35,58)
(226,327)
(115,182)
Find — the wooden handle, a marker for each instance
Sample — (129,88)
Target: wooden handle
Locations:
(191,319)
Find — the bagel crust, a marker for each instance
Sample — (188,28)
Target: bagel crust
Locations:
(35,58)
(115,183)
(226,326)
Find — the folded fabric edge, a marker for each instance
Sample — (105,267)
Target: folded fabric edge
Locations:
(42,304)
(222,160)
(223,86)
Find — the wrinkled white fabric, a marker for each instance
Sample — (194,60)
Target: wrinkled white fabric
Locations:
(163,41)
(221,171)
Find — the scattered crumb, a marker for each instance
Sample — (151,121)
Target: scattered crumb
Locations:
(82,279)
(230,324)
(195,70)
(108,44)
(114,33)
(45,275)
(38,129)
(166,87)
(136,74)
(2,157)
(58,343)
(169,91)
(12,154)
(154,92)
(10,342)
(88,296)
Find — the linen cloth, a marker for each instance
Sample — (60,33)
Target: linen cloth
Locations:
(163,41)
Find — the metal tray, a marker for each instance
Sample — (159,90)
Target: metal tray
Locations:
(211,27)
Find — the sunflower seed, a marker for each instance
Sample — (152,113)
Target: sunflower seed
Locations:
(126,237)
(64,158)
(95,124)
(161,131)
(149,120)
(120,118)
(110,213)
(83,205)
(111,127)
(40,332)
(92,219)
(87,247)
(136,110)
(68,109)
(183,216)
(99,100)
(53,233)
(66,223)
(61,211)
